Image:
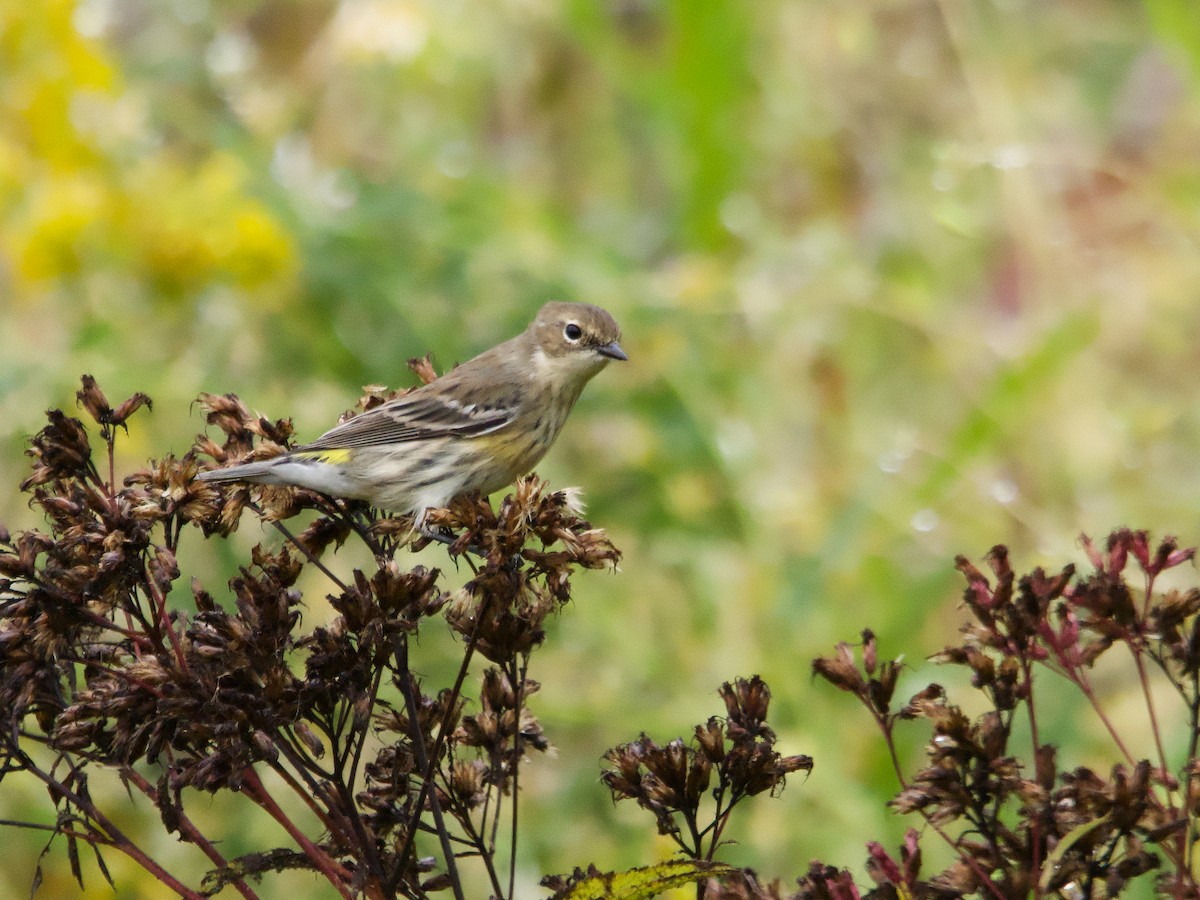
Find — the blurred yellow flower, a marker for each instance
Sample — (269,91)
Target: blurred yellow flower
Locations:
(190,224)
(73,208)
(63,218)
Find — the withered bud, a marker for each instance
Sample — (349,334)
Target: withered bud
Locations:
(310,740)
(746,701)
(839,673)
(129,406)
(265,745)
(497,691)
(163,568)
(206,445)
(91,398)
(796,763)
(60,507)
(923,702)
(1172,608)
(203,599)
(627,758)
(1045,765)
(881,867)
(226,412)
(1009,671)
(74,735)
(481,730)
(870,651)
(61,450)
(881,689)
(468,781)
(998,560)
(954,655)
(710,738)
(993,734)
(982,667)
(660,793)
(422,367)
(698,777)
(440,882)
(531,731)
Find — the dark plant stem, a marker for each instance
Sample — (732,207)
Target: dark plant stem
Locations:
(1035,828)
(404,677)
(442,736)
(361,741)
(885,724)
(1190,780)
(477,841)
(720,820)
(295,542)
(310,793)
(1080,679)
(518,750)
(111,439)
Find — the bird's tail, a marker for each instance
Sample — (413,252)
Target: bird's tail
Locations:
(255,471)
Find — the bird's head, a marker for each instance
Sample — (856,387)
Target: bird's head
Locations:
(574,340)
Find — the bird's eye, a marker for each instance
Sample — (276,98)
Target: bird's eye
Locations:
(572,332)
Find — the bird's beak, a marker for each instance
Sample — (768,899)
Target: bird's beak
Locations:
(612,351)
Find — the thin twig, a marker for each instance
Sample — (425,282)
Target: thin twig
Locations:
(400,648)
(112,834)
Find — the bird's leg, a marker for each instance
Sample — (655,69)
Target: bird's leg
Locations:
(442,535)
(424,529)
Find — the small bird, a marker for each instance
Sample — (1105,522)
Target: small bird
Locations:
(479,427)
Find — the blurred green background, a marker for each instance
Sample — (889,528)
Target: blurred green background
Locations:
(898,280)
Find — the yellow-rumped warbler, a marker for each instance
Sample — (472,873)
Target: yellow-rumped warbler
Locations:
(477,428)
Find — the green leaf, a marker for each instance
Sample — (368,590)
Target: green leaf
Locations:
(1054,860)
(643,883)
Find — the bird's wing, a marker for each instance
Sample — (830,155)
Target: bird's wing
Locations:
(416,416)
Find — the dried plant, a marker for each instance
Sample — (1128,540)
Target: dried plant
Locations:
(672,781)
(691,789)
(101,669)
(1019,825)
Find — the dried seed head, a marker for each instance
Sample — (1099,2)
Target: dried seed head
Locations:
(91,398)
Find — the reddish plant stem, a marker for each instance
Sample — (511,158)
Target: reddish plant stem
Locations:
(189,830)
(885,726)
(1079,677)
(1150,710)
(113,836)
(164,621)
(337,874)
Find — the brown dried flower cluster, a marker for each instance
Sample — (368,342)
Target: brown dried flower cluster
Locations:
(1020,826)
(103,668)
(101,664)
(672,780)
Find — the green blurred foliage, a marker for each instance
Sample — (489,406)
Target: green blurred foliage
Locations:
(898,279)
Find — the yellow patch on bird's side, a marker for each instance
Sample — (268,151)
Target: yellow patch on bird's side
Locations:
(330,457)
(514,448)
